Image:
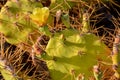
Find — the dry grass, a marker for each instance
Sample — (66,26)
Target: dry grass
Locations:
(20,60)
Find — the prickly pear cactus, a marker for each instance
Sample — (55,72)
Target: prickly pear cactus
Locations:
(70,53)
(15,22)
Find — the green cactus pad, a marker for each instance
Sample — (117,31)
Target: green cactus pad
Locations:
(71,50)
(15,22)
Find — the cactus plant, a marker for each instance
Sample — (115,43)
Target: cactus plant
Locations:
(69,54)
(15,21)
(16,25)
(69,51)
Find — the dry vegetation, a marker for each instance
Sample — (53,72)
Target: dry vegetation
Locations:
(105,21)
